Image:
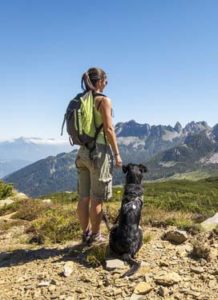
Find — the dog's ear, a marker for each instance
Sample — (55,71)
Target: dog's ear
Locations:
(143,168)
(125,168)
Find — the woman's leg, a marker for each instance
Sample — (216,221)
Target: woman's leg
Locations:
(83,213)
(96,215)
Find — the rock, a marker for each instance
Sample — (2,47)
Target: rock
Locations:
(117,292)
(167,279)
(137,297)
(143,288)
(175,236)
(210,223)
(44,283)
(197,270)
(112,264)
(162,291)
(6,202)
(212,284)
(20,196)
(48,201)
(200,250)
(52,288)
(163,263)
(79,290)
(68,268)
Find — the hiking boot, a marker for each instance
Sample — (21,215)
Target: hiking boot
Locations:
(97,238)
(86,237)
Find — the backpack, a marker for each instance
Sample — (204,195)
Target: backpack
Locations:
(80,120)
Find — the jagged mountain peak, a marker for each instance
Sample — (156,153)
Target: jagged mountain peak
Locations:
(132,128)
(195,127)
(215,132)
(178,127)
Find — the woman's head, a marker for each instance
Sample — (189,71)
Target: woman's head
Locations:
(94,79)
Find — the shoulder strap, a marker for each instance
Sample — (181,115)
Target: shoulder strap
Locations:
(96,95)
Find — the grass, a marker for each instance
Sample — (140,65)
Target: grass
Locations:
(183,195)
(174,202)
(9,208)
(30,210)
(62,197)
(4,226)
(55,225)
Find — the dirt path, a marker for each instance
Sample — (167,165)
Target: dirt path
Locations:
(30,272)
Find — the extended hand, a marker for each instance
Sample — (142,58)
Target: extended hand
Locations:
(118,161)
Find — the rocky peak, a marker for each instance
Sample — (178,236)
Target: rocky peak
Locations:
(157,130)
(132,128)
(178,127)
(195,127)
(215,132)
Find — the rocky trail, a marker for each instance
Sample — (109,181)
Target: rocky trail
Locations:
(168,269)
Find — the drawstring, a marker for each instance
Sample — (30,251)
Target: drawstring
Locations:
(62,127)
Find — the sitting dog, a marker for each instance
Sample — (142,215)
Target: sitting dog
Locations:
(126,236)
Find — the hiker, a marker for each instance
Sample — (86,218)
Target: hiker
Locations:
(95,164)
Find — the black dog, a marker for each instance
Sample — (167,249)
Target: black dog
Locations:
(126,236)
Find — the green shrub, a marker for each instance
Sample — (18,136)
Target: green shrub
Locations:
(96,255)
(30,210)
(9,208)
(6,190)
(56,225)
(146,238)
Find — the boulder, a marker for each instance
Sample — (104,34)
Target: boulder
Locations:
(211,223)
(6,202)
(68,268)
(175,236)
(143,288)
(112,264)
(167,279)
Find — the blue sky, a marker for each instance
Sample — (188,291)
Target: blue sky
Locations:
(161,57)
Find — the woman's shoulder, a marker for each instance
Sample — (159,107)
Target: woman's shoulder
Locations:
(102,99)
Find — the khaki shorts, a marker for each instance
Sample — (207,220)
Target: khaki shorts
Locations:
(95,175)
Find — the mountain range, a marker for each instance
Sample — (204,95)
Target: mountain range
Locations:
(167,151)
(20,152)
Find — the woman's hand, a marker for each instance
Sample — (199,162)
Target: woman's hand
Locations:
(118,161)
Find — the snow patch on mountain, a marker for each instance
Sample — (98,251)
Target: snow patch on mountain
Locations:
(131,140)
(170,135)
(213,159)
(167,164)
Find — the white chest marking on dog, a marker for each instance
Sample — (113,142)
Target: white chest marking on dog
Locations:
(134,207)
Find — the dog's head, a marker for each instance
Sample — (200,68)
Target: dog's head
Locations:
(134,173)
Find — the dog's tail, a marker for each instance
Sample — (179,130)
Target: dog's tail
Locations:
(134,265)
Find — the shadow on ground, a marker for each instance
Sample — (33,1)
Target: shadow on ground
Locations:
(23,256)
(18,257)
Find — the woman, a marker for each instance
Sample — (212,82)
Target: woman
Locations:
(95,171)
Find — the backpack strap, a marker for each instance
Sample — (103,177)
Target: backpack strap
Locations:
(92,147)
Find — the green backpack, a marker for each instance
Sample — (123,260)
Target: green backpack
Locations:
(80,120)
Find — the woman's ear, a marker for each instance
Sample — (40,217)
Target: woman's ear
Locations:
(125,168)
(143,168)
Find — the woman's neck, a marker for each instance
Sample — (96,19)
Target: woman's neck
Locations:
(99,91)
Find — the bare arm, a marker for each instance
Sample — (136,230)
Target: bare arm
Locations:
(105,110)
